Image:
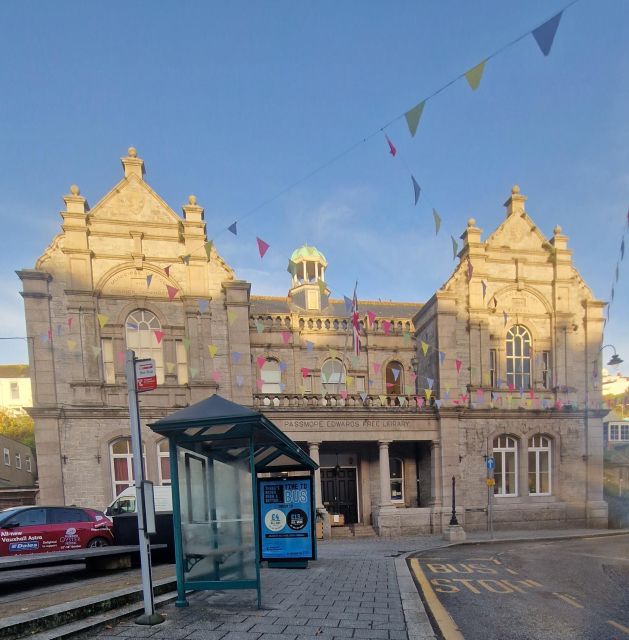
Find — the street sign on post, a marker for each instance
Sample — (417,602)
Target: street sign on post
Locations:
(145,375)
(491,463)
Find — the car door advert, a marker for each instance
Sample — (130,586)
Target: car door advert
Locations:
(286,522)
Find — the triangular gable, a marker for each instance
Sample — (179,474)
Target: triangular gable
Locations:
(518,231)
(131,200)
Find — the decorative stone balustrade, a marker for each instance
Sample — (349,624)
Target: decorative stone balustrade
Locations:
(288,400)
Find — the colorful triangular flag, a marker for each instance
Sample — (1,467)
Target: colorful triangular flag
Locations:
(259,326)
(102,320)
(396,373)
(348,304)
(263,247)
(148,280)
(204,305)
(236,357)
(363,396)
(371,317)
(172,292)
(392,149)
(437,218)
(96,351)
(186,259)
(72,345)
(474,75)
(484,284)
(458,364)
(212,349)
(232,228)
(413,117)
(455,247)
(322,286)
(545,34)
(425,346)
(159,335)
(286,336)
(240,381)
(416,188)
(430,382)
(167,270)
(208,249)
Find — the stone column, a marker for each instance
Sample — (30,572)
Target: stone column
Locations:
(313,452)
(385,474)
(435,474)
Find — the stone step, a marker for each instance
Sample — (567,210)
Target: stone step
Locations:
(341,532)
(364,531)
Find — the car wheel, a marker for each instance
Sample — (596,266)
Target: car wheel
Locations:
(97,542)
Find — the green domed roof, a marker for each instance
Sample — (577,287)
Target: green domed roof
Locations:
(308,253)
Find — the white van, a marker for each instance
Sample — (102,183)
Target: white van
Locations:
(125,502)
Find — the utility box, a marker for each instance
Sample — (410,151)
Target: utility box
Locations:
(337,520)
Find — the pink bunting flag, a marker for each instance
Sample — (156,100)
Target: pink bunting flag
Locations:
(263,247)
(121,357)
(386,327)
(371,317)
(286,336)
(167,270)
(413,376)
(49,335)
(216,376)
(159,335)
(305,372)
(392,149)
(70,322)
(420,402)
(458,364)
(343,394)
(259,383)
(172,292)
(376,367)
(260,360)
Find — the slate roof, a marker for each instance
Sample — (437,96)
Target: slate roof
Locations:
(14,371)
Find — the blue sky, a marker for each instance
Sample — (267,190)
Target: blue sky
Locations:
(236,101)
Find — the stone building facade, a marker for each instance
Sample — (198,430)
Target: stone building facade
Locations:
(495,365)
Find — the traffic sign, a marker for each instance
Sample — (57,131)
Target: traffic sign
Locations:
(491,463)
(490,482)
(146,377)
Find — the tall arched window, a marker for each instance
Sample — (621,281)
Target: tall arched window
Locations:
(163,461)
(519,357)
(332,375)
(122,464)
(144,336)
(271,376)
(394,378)
(506,469)
(539,465)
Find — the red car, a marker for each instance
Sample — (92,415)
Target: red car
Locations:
(39,529)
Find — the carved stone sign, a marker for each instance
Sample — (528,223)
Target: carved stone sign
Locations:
(346,424)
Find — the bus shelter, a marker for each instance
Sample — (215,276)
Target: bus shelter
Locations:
(217,450)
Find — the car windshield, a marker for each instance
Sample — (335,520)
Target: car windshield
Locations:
(6,514)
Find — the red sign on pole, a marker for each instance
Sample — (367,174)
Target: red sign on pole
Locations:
(145,375)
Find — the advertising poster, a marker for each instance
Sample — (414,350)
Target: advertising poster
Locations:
(286,522)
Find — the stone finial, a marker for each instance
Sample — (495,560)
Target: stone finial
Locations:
(515,203)
(192,212)
(557,230)
(74,190)
(192,200)
(133,166)
(471,222)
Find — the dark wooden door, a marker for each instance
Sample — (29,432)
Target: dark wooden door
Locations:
(338,489)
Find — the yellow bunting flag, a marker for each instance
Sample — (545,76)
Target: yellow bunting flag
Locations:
(208,249)
(349,380)
(425,346)
(383,400)
(474,75)
(231,316)
(413,117)
(322,286)
(212,348)
(427,393)
(72,345)
(170,367)
(102,320)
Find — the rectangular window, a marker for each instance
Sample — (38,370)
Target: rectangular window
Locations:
(624,431)
(182,362)
(109,370)
(493,373)
(28,464)
(271,378)
(18,461)
(613,432)
(7,457)
(360,384)
(15,391)
(546,370)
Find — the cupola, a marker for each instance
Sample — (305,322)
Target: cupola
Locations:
(308,289)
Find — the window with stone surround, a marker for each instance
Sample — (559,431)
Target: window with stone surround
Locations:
(144,336)
(333,376)
(163,461)
(505,452)
(539,465)
(122,464)
(518,347)
(271,376)
(394,378)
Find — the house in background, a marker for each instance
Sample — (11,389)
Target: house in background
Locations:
(18,474)
(15,387)
(616,468)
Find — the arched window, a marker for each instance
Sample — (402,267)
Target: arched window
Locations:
(122,464)
(144,336)
(332,375)
(396,469)
(539,465)
(271,376)
(519,357)
(506,470)
(394,378)
(163,461)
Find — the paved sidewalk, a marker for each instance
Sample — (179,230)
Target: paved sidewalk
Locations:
(359,588)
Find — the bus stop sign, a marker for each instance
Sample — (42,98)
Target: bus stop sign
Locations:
(145,375)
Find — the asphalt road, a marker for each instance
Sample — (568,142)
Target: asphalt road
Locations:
(566,589)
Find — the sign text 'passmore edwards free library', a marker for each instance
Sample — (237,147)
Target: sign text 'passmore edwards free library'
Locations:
(332,423)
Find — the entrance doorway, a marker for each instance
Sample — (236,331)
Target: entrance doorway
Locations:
(338,488)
